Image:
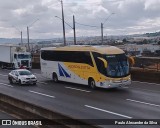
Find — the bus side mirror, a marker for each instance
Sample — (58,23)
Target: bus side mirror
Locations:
(104,62)
(131,60)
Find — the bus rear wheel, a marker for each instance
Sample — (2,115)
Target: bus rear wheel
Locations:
(92,83)
(55,78)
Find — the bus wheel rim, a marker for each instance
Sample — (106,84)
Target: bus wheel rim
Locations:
(92,84)
(55,78)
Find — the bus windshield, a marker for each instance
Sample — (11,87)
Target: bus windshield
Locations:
(24,56)
(118,65)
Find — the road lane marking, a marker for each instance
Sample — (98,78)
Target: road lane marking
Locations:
(41,82)
(3,75)
(41,94)
(77,89)
(143,102)
(37,74)
(108,111)
(6,84)
(146,82)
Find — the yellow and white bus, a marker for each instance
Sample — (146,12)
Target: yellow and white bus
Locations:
(96,66)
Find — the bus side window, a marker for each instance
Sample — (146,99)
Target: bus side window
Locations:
(100,66)
(99,63)
(88,59)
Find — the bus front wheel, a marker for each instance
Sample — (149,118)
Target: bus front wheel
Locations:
(92,83)
(55,78)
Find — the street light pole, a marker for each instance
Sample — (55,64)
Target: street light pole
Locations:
(21,39)
(20,32)
(74,30)
(28,38)
(28,33)
(102,26)
(64,37)
(101,33)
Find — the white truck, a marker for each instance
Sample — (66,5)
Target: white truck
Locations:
(14,56)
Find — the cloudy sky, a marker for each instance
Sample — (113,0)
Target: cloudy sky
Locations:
(118,16)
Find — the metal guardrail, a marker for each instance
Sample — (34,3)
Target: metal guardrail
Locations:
(147,63)
(36,58)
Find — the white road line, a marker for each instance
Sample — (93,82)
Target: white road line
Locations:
(6,84)
(146,82)
(41,94)
(37,74)
(77,89)
(143,102)
(41,82)
(108,111)
(3,75)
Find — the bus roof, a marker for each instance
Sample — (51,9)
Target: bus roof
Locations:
(103,49)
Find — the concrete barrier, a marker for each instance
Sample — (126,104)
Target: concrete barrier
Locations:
(30,111)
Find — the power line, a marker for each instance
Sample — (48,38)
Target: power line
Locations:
(87,25)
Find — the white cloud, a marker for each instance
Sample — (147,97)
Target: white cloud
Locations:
(131,16)
(152,5)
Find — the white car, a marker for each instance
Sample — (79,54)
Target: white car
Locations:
(22,76)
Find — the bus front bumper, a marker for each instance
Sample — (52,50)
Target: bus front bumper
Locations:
(115,84)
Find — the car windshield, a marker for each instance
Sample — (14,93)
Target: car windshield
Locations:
(118,65)
(23,56)
(25,73)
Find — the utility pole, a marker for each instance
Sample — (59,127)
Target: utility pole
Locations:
(74,30)
(28,38)
(101,33)
(64,37)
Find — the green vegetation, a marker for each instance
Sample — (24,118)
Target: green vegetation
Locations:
(152,34)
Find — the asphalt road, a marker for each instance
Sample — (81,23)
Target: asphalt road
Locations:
(140,101)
